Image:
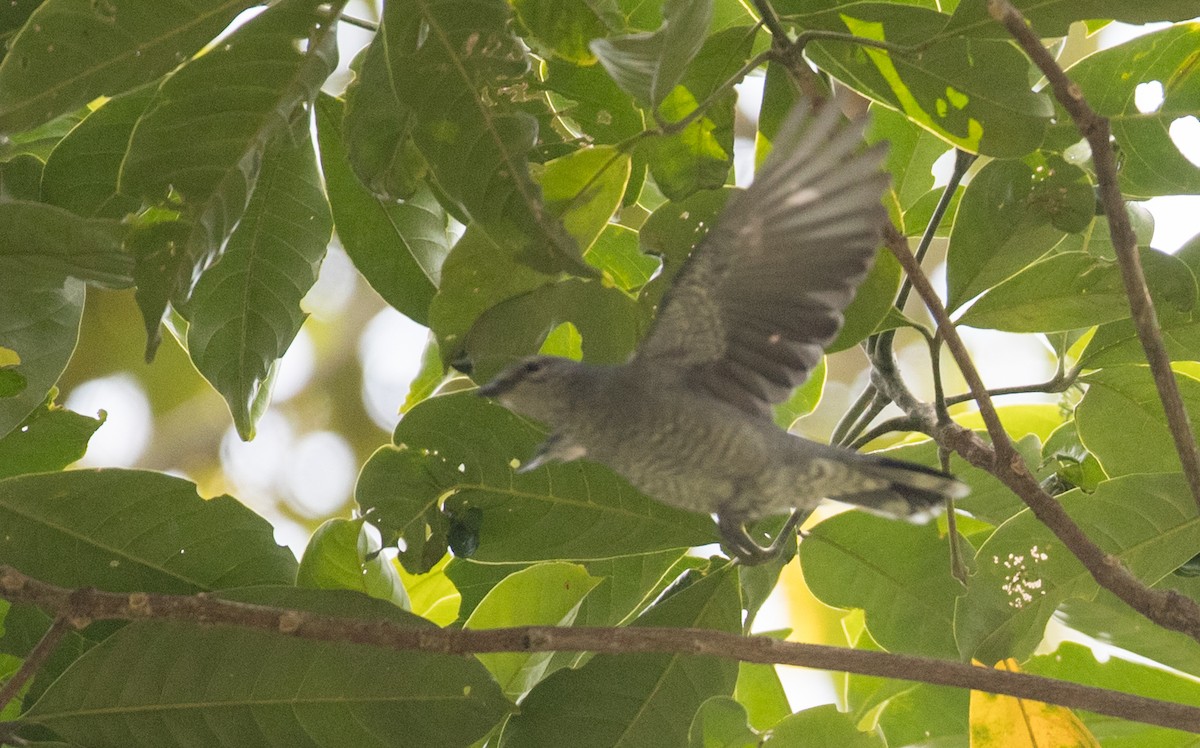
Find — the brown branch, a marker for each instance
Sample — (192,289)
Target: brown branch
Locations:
(1168,609)
(80,607)
(34,660)
(1098,133)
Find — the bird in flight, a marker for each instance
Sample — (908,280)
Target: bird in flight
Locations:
(688,419)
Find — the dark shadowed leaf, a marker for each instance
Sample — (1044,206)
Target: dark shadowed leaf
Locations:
(256,688)
(245,311)
(1053,17)
(398,247)
(1072,290)
(43,245)
(126,530)
(72,51)
(281,57)
(41,324)
(463,73)
(82,171)
(996,231)
(566,28)
(721,722)
(51,438)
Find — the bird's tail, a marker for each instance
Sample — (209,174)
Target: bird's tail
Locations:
(916,492)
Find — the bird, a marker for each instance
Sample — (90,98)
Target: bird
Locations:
(687,420)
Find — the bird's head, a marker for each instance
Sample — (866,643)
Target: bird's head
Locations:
(540,387)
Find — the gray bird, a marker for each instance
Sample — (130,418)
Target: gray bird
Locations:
(688,419)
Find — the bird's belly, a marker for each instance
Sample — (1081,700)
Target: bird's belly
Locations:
(696,463)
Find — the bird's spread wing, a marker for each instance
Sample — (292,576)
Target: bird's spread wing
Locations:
(750,313)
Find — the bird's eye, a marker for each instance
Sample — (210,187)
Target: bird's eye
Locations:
(533,367)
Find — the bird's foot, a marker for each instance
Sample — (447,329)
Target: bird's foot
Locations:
(742,546)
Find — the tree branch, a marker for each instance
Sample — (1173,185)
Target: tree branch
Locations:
(34,660)
(1168,609)
(81,607)
(1098,133)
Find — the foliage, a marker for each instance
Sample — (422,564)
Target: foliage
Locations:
(530,176)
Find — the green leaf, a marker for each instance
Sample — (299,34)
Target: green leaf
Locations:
(1023,572)
(148,680)
(476,276)
(245,311)
(700,156)
(997,231)
(461,451)
(872,303)
(1076,663)
(901,579)
(343,555)
(594,102)
(43,245)
(972,93)
(1151,163)
(281,56)
(1111,620)
(584,188)
(376,129)
(610,322)
(49,439)
(648,65)
(761,692)
(1071,290)
(72,51)
(617,255)
(82,171)
(1122,401)
(820,727)
(20,178)
(804,400)
(1117,342)
(398,247)
(1053,17)
(911,155)
(127,530)
(721,722)
(461,70)
(637,699)
(927,714)
(546,594)
(432,594)
(567,28)
(42,325)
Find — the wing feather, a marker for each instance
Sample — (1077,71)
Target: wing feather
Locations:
(750,313)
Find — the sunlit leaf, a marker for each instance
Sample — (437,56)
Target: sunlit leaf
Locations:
(343,555)
(50,438)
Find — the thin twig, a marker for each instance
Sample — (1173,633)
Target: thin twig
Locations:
(670,128)
(82,606)
(1098,133)
(1060,382)
(360,23)
(850,418)
(34,660)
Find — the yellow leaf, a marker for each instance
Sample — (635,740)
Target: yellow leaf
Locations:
(1008,722)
